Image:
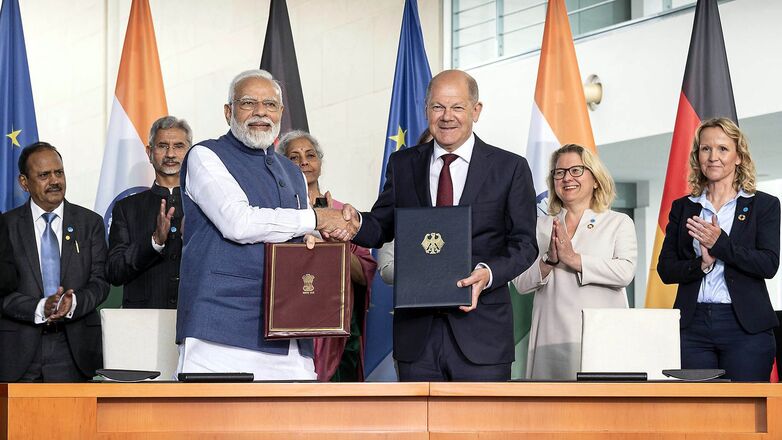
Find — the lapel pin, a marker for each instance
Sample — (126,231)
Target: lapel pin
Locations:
(173,229)
(69,228)
(745,209)
(67,237)
(591,223)
(742,217)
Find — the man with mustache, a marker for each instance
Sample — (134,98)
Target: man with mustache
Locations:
(145,237)
(49,328)
(238,195)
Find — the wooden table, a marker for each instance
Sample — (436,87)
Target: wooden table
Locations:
(178,411)
(411,411)
(605,411)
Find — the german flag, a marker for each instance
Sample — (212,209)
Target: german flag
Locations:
(706,93)
(279,59)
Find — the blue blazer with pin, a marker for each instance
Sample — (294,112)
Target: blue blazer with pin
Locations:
(750,254)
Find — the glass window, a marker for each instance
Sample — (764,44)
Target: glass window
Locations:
(486,30)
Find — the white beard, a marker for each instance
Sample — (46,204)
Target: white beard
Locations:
(255,139)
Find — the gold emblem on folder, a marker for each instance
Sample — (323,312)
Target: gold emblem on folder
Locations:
(309,288)
(433,243)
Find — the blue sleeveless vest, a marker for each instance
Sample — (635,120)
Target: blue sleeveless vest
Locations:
(221,281)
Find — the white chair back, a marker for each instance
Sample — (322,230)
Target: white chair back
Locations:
(630,340)
(140,339)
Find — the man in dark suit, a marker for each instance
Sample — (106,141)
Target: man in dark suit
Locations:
(49,328)
(457,168)
(145,237)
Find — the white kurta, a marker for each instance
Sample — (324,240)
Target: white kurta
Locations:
(608,252)
(217,193)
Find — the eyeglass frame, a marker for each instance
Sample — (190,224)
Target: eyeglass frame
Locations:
(568,170)
(168,147)
(243,104)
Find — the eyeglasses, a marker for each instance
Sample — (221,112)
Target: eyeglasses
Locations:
(168,147)
(575,171)
(247,104)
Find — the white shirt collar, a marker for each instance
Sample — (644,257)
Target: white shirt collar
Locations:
(464,151)
(701,199)
(38,211)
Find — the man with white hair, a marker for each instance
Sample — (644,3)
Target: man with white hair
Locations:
(238,195)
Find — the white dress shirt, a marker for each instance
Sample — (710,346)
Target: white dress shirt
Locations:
(459,168)
(713,287)
(40,226)
(212,187)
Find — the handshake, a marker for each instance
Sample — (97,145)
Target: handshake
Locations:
(337,224)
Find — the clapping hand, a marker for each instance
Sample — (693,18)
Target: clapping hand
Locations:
(58,305)
(163,223)
(564,248)
(705,232)
(50,305)
(553,256)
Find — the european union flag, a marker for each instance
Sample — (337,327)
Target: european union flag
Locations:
(406,122)
(17,112)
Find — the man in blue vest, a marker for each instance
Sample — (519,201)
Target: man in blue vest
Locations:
(238,195)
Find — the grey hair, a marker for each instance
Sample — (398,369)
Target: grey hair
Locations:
(252,73)
(168,122)
(472,86)
(289,137)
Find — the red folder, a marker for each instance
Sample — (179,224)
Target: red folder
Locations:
(307,292)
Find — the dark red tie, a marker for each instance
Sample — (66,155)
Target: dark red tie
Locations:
(445,184)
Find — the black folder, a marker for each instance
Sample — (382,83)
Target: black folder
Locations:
(432,251)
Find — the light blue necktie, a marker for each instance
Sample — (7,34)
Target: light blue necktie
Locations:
(50,257)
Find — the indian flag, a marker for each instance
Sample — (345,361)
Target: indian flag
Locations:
(559,116)
(139,99)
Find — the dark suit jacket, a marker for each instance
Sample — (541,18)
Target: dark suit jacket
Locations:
(150,278)
(500,191)
(81,271)
(750,254)
(8,277)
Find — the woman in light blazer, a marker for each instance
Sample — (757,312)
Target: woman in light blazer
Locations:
(721,244)
(588,256)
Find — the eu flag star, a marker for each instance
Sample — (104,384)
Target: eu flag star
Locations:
(13,135)
(399,138)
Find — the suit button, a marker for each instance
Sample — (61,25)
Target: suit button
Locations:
(282,184)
